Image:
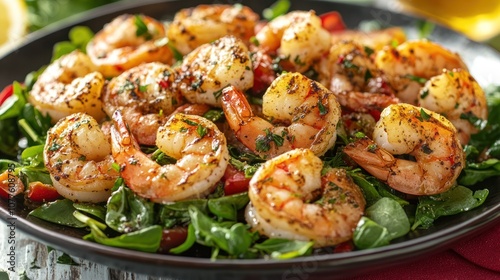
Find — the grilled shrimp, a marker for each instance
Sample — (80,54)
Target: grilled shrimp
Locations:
(413,60)
(203,24)
(146,96)
(195,142)
(78,158)
(289,198)
(350,73)
(70,84)
(304,114)
(452,94)
(128,41)
(298,36)
(428,137)
(375,40)
(208,69)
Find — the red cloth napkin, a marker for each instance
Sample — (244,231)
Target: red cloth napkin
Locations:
(474,258)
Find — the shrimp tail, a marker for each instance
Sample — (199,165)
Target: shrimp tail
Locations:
(375,160)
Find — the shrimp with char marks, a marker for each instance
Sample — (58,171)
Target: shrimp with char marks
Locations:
(195,142)
(289,198)
(203,24)
(128,41)
(411,61)
(78,158)
(452,94)
(349,71)
(428,137)
(146,96)
(208,69)
(297,36)
(304,114)
(70,84)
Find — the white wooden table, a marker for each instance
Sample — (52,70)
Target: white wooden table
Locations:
(33,260)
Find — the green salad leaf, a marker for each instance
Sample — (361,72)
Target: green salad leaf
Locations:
(454,201)
(127,212)
(58,212)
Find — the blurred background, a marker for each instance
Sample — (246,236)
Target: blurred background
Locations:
(478,19)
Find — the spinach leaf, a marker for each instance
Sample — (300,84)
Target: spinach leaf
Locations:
(369,234)
(474,173)
(373,189)
(458,199)
(127,212)
(233,238)
(285,249)
(34,124)
(10,137)
(79,36)
(13,105)
(95,210)
(278,8)
(227,207)
(490,133)
(177,213)
(146,239)
(388,213)
(58,212)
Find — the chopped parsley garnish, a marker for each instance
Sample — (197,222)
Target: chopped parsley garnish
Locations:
(322,109)
(263,143)
(201,130)
(214,115)
(369,51)
(417,79)
(142,28)
(424,115)
(128,86)
(424,93)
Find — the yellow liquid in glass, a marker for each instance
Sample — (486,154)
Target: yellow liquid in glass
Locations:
(477,19)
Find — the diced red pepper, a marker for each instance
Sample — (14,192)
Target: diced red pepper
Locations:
(264,74)
(172,238)
(347,246)
(6,93)
(332,21)
(163,84)
(235,181)
(40,192)
(10,185)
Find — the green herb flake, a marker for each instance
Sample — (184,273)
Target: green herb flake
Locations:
(424,115)
(369,51)
(142,28)
(143,88)
(322,109)
(372,148)
(54,147)
(368,75)
(277,9)
(201,130)
(128,86)
(424,93)
(190,122)
(115,166)
(417,79)
(254,41)
(425,28)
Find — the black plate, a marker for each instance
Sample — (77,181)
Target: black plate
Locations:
(36,52)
